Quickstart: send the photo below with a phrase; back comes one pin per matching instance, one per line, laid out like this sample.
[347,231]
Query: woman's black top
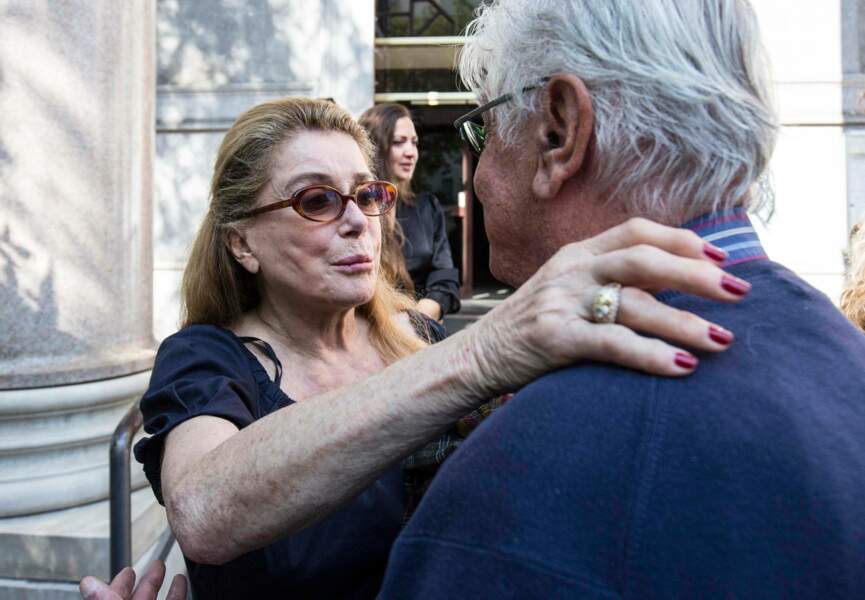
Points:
[208,370]
[428,253]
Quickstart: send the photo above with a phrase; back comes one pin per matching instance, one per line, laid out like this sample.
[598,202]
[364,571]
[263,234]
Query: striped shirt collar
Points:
[730,230]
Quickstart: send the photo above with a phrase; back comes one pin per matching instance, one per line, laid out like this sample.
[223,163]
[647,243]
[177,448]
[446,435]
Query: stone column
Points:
[77,95]
[853,64]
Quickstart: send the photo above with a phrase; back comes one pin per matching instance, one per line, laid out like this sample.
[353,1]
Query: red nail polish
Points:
[686,361]
[714,253]
[720,336]
[734,285]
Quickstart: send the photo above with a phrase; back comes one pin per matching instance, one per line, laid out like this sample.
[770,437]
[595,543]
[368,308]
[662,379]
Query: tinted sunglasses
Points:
[470,127]
[323,203]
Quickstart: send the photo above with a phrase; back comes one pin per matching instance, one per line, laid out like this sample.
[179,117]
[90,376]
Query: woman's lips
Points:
[358,263]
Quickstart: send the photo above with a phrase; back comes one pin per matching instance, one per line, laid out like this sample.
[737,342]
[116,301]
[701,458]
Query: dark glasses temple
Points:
[481,110]
[493,103]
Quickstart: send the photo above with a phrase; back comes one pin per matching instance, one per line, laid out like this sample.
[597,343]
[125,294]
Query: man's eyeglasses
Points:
[324,204]
[470,127]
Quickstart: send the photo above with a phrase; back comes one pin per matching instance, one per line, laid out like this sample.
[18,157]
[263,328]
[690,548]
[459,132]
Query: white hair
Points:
[684,123]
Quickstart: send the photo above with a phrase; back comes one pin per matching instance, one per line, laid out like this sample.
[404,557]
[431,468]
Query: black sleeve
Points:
[442,283]
[198,371]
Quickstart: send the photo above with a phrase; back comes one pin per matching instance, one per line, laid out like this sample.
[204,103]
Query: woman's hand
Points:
[547,323]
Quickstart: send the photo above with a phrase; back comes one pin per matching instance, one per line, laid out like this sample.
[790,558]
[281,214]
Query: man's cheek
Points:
[481,179]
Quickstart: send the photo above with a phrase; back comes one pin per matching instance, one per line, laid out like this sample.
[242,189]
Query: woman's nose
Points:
[354,222]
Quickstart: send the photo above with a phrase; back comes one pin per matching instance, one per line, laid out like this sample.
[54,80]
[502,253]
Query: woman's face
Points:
[402,157]
[329,265]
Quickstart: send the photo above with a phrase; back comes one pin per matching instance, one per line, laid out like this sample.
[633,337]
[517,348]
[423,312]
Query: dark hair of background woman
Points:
[380,123]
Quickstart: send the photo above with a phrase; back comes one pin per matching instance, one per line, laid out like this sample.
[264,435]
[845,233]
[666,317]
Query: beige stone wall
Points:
[218,58]
[76,151]
[816,49]
[77,98]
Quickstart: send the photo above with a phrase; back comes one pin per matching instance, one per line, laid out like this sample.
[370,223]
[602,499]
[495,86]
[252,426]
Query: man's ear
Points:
[563,133]
[240,250]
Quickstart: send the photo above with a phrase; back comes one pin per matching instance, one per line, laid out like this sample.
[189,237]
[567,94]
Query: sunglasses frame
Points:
[294,201]
[468,130]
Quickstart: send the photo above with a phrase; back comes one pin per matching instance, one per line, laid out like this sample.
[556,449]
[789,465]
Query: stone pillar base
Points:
[46,555]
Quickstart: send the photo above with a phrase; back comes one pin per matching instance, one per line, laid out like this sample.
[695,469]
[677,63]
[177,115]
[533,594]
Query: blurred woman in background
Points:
[418,233]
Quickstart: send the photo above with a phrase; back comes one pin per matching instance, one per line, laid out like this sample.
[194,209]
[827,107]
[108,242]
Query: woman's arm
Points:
[229,491]
[430,308]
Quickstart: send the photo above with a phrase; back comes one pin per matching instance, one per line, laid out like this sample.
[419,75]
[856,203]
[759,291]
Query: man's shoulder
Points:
[775,290]
[589,378]
[784,323]
[586,396]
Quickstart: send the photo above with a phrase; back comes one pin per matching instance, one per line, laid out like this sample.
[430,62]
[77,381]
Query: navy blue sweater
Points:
[744,480]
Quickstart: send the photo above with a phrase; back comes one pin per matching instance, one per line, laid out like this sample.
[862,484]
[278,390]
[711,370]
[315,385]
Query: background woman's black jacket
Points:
[428,253]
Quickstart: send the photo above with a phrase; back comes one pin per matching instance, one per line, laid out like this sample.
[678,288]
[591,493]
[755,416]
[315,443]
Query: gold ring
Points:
[605,306]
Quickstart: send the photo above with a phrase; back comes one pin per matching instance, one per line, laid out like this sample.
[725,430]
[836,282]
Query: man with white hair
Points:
[746,479]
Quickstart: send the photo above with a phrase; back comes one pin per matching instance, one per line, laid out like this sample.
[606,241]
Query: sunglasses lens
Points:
[323,203]
[320,204]
[376,197]
[474,136]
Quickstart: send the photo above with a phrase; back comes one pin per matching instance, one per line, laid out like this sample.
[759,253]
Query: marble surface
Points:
[77,95]
[76,148]
[25,589]
[54,443]
[213,64]
[211,46]
[66,545]
[22,589]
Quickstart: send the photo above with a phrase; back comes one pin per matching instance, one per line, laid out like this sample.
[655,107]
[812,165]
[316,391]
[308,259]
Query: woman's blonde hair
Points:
[853,296]
[216,289]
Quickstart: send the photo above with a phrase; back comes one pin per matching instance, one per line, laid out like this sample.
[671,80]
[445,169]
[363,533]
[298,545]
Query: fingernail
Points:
[720,336]
[734,285]
[686,361]
[714,253]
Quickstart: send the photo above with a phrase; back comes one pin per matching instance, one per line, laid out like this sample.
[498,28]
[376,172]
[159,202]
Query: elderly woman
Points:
[420,237]
[279,413]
